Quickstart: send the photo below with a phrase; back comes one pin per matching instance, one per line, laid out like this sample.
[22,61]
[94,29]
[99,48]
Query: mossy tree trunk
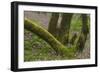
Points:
[85,28]
[74,35]
[65,27]
[84,32]
[73,38]
[53,24]
[49,38]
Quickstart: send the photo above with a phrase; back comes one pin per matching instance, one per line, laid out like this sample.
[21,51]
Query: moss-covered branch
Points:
[44,34]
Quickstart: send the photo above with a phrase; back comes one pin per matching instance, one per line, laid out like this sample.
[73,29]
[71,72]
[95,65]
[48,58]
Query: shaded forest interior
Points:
[56,36]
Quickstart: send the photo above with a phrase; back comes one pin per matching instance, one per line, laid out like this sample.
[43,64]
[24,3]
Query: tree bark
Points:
[73,38]
[84,32]
[49,38]
[53,23]
[65,27]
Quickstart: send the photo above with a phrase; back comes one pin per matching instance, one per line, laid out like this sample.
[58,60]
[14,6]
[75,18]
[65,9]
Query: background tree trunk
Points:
[84,32]
[65,27]
[53,23]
